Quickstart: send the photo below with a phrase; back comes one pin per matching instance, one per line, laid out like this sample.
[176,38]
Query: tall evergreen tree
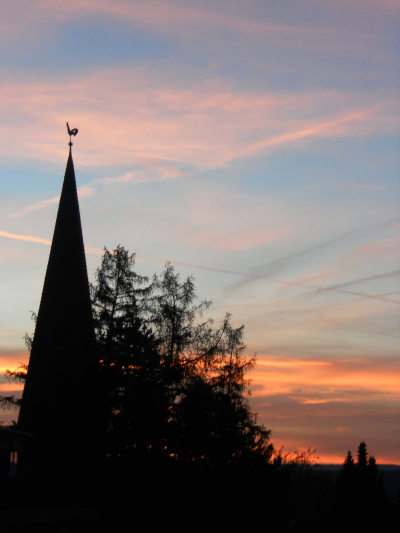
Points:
[362,456]
[129,361]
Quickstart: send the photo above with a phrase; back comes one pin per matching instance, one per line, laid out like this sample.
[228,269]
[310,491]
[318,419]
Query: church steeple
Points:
[59,402]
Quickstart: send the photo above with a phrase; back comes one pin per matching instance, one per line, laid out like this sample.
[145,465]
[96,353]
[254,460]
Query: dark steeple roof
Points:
[60,402]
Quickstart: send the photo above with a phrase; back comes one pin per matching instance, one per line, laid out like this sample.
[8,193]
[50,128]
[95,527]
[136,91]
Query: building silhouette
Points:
[60,403]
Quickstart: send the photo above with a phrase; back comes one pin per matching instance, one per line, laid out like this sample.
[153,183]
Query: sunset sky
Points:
[254,144]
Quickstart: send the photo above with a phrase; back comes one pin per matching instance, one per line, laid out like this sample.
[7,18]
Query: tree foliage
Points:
[126,350]
[176,383]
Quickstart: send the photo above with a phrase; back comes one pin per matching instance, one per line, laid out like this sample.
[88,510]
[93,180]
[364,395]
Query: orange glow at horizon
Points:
[277,376]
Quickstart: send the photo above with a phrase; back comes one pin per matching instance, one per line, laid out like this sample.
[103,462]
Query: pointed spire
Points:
[59,400]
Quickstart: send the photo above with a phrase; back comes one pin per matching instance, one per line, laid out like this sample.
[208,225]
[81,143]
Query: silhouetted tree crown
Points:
[348,465]
[362,456]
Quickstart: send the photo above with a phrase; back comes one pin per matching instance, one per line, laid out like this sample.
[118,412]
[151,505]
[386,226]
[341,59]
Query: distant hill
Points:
[335,467]
[390,476]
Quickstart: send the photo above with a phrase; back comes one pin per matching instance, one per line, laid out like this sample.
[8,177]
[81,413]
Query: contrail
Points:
[97,251]
[283,282]
[357,281]
[274,266]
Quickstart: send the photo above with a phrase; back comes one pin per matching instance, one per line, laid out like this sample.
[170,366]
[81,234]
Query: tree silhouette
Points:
[360,501]
[176,385]
[128,360]
[348,465]
[362,457]
[17,376]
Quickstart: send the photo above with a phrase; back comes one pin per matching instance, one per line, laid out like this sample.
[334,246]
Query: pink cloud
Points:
[322,128]
[28,238]
[382,250]
[122,118]
[39,240]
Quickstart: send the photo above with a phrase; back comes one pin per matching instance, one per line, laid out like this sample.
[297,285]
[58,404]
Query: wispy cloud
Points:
[34,207]
[151,173]
[196,22]
[211,124]
[28,238]
[323,273]
[39,240]
[313,130]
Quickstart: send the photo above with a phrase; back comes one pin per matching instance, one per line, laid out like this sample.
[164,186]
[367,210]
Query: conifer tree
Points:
[362,456]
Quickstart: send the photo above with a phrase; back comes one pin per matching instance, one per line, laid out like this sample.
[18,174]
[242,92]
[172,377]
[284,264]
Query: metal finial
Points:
[70,133]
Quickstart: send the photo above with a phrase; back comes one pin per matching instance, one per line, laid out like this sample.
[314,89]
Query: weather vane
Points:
[70,133]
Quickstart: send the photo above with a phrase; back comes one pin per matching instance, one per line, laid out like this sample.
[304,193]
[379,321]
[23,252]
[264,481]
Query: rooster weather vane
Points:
[70,133]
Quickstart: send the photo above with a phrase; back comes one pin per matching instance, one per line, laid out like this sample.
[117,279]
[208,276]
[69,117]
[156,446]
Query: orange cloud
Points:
[10,387]
[9,360]
[330,404]
[277,376]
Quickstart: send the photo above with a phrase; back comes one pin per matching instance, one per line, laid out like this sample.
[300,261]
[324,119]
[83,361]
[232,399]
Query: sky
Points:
[252,144]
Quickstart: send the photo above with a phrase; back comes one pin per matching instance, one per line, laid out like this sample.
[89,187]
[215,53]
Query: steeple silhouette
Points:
[60,401]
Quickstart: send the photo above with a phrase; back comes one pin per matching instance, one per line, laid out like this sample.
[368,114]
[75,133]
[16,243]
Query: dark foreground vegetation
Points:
[182,450]
[132,495]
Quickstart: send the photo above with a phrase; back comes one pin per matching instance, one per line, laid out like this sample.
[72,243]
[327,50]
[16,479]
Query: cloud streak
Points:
[361,280]
[39,240]
[34,207]
[277,375]
[90,249]
[272,268]
[27,238]
[296,135]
